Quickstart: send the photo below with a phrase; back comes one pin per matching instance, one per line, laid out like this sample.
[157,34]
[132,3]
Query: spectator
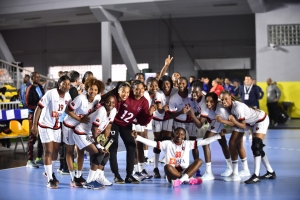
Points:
[24,86]
[261,92]
[273,95]
[192,78]
[34,93]
[16,97]
[236,85]
[228,86]
[108,86]
[2,91]
[249,93]
[216,87]
[87,74]
[205,86]
[60,73]
[75,83]
[175,77]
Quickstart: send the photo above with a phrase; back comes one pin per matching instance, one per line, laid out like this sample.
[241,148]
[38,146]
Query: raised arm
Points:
[165,67]
[145,141]
[210,139]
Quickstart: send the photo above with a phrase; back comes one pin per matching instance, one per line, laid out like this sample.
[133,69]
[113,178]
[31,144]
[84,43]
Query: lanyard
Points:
[247,91]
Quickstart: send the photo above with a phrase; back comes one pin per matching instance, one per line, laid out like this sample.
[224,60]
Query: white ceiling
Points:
[38,13]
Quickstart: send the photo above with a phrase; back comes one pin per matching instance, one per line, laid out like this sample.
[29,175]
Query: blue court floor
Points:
[282,148]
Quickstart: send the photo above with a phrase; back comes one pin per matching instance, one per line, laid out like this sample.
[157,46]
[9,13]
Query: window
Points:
[119,71]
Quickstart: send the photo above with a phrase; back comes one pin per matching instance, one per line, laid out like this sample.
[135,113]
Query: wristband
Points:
[99,146]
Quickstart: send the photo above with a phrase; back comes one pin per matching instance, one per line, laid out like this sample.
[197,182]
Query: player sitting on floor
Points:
[177,153]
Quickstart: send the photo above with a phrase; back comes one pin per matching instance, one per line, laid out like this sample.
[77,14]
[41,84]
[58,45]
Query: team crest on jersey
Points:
[125,105]
[212,127]
[139,108]
[97,120]
[183,148]
[41,99]
[66,102]
[73,104]
[257,128]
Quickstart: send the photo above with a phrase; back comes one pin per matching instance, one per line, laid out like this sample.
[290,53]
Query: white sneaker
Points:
[227,172]
[163,160]
[103,181]
[208,176]
[233,177]
[244,172]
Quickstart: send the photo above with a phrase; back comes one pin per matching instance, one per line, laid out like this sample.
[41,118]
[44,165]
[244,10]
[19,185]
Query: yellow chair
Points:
[15,126]
[25,125]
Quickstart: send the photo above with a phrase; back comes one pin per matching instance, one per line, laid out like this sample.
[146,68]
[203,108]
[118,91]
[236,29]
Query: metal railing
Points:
[10,74]
[10,105]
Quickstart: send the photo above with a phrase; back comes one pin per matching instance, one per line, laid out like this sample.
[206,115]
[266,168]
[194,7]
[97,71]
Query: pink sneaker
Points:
[195,181]
[176,183]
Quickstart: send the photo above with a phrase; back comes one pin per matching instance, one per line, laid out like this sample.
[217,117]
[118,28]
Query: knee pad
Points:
[166,138]
[257,147]
[156,150]
[97,158]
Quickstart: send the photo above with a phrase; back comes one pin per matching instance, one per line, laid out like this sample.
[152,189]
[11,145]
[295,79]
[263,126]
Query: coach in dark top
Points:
[249,93]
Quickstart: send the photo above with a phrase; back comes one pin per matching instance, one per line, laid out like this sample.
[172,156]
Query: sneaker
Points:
[253,179]
[244,172]
[132,180]
[208,176]
[119,180]
[156,173]
[198,173]
[227,172]
[146,159]
[145,174]
[31,164]
[232,177]
[93,185]
[76,183]
[195,181]
[102,180]
[81,180]
[176,183]
[58,170]
[163,160]
[51,184]
[138,176]
[64,171]
[39,161]
[268,175]
[54,178]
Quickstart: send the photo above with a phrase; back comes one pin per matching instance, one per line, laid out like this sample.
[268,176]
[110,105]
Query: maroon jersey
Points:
[132,109]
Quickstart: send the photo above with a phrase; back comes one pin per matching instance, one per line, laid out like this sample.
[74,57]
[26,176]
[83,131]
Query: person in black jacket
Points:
[34,93]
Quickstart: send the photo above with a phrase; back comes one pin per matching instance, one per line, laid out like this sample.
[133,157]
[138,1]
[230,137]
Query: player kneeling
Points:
[177,153]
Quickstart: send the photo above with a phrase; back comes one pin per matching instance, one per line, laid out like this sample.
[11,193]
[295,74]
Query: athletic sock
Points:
[229,163]
[266,163]
[135,168]
[156,159]
[184,177]
[235,167]
[245,164]
[146,153]
[257,161]
[72,174]
[90,176]
[79,173]
[208,168]
[141,166]
[48,170]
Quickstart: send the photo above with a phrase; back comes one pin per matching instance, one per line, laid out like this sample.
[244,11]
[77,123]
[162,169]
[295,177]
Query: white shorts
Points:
[237,129]
[138,127]
[159,126]
[67,134]
[191,128]
[215,127]
[49,135]
[82,141]
[261,127]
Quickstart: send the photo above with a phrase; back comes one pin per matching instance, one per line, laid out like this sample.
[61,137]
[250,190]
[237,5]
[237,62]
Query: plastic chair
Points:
[25,125]
[15,126]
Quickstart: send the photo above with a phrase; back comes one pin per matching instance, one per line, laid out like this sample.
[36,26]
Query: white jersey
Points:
[177,155]
[98,118]
[81,106]
[53,106]
[160,97]
[220,110]
[177,103]
[243,112]
[201,107]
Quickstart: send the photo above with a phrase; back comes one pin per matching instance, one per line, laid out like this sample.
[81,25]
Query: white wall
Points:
[278,65]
